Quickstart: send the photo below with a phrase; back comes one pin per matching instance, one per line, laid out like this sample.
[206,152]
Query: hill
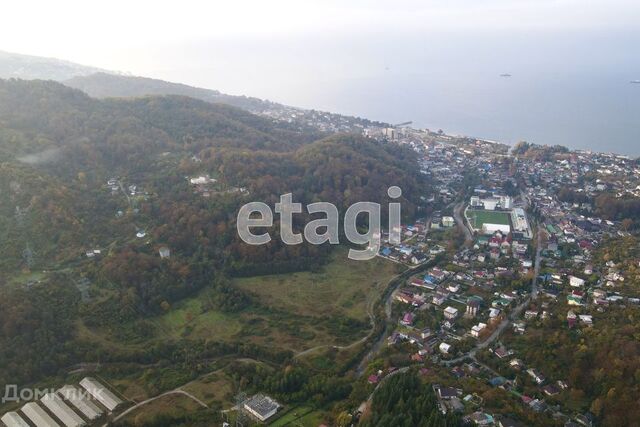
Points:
[110,84]
[13,65]
[91,189]
[106,85]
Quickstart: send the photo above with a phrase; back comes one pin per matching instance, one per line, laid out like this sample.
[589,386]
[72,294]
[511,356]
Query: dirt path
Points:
[177,391]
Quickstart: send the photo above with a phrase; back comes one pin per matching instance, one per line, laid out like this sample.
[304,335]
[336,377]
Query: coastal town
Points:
[515,260]
[320,214]
[507,251]
[514,253]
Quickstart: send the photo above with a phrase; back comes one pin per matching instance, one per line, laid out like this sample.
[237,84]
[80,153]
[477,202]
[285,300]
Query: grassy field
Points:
[478,218]
[301,416]
[212,389]
[188,318]
[167,405]
[294,311]
[343,288]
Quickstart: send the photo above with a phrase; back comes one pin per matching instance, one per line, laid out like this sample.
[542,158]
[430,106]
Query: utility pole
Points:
[242,419]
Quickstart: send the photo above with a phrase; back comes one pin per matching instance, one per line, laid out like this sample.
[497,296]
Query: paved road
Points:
[393,285]
[515,313]
[399,371]
[536,269]
[390,290]
[459,217]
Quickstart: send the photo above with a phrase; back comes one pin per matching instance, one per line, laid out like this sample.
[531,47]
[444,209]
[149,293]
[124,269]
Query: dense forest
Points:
[607,206]
[601,363]
[58,149]
[403,400]
[108,85]
[538,152]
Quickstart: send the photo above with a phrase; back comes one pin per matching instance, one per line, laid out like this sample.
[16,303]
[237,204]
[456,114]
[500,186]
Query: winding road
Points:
[388,302]
[512,316]
[177,391]
[459,217]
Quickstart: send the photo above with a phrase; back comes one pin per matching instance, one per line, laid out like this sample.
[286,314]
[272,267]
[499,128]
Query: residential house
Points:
[450,313]
[537,376]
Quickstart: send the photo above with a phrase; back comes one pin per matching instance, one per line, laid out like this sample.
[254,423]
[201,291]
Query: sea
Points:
[571,87]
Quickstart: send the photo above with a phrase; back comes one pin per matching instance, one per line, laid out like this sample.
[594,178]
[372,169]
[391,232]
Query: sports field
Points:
[477,218]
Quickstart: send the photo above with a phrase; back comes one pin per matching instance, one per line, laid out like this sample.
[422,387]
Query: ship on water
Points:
[635,81]
[505,75]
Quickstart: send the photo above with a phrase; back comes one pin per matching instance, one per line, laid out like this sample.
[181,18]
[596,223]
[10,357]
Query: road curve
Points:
[168,393]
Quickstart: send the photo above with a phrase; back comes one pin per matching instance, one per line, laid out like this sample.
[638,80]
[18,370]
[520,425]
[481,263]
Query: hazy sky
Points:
[434,62]
[149,37]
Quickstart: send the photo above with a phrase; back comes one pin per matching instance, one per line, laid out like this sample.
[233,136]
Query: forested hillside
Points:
[61,221]
[105,85]
[14,65]
[403,400]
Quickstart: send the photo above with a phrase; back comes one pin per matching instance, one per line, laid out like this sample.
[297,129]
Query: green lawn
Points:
[188,318]
[343,288]
[214,388]
[294,311]
[172,405]
[478,218]
[300,416]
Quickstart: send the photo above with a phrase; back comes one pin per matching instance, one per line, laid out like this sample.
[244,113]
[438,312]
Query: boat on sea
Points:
[505,75]
[635,81]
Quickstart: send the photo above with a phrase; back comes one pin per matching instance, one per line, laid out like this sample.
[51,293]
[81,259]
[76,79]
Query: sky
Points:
[431,61]
[143,37]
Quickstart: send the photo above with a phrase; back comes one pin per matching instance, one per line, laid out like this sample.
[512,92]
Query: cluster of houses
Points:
[321,120]
[472,295]
[202,185]
[614,174]
[453,297]
[412,250]
[570,273]
[115,185]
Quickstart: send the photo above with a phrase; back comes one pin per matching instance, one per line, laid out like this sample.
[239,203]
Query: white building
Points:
[576,282]
[490,204]
[450,313]
[262,407]
[438,299]
[38,416]
[475,331]
[390,133]
[488,228]
[164,252]
[520,222]
[62,411]
[444,348]
[448,221]
[100,393]
[81,401]
[12,419]
[506,202]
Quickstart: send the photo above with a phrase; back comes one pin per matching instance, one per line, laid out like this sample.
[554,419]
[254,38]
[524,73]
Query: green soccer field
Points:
[478,218]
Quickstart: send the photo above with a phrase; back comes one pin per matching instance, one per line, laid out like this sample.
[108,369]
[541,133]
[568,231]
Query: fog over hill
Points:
[109,85]
[14,65]
[99,83]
